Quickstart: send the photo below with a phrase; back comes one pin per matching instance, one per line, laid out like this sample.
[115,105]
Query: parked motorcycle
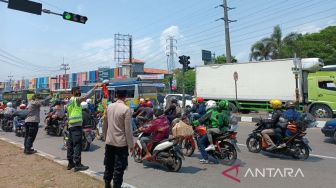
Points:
[20,129]
[296,146]
[167,152]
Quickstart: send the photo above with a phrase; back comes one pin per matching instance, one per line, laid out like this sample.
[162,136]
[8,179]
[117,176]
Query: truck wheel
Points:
[321,111]
[233,108]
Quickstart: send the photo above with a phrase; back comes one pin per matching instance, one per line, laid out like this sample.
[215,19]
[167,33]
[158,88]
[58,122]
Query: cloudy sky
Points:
[32,45]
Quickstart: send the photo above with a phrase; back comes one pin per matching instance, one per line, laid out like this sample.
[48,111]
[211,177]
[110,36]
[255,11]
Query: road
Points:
[318,170]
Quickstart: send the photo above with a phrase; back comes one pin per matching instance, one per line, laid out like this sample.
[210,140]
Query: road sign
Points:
[25,6]
[235,76]
[206,55]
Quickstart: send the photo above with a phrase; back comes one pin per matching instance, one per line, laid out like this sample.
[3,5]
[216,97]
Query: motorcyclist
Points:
[291,116]
[9,110]
[273,128]
[20,114]
[173,111]
[220,119]
[139,110]
[87,116]
[209,120]
[91,106]
[198,109]
[56,113]
[159,130]
[147,113]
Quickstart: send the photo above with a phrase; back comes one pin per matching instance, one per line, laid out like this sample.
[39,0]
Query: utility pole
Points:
[130,57]
[64,67]
[227,29]
[10,81]
[171,53]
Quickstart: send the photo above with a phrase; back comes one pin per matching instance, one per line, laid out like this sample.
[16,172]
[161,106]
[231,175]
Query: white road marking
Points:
[314,155]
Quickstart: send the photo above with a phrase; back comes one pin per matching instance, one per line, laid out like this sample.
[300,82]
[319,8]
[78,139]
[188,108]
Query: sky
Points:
[33,45]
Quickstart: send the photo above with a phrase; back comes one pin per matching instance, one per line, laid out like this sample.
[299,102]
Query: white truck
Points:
[259,82]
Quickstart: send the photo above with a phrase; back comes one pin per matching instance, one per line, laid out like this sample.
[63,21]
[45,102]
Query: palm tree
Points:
[271,48]
[262,50]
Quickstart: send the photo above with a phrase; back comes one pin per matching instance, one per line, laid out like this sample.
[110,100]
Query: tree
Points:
[189,81]
[262,50]
[222,59]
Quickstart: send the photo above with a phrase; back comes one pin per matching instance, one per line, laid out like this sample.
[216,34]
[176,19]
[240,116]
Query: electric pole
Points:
[10,82]
[171,53]
[64,67]
[130,57]
[227,29]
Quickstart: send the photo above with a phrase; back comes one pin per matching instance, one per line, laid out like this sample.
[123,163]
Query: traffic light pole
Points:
[183,91]
[49,12]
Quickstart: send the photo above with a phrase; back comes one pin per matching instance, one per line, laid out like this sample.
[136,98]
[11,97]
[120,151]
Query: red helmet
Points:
[22,106]
[149,104]
[200,99]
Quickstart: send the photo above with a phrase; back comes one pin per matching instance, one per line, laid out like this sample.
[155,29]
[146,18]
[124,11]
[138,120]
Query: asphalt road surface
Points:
[317,171]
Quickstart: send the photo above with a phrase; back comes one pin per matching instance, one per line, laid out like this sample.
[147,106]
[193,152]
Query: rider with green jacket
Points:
[216,120]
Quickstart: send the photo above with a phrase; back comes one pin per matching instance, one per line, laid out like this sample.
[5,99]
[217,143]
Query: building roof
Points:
[136,61]
[155,71]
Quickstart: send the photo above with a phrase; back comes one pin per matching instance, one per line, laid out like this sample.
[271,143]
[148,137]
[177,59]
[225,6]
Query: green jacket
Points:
[215,119]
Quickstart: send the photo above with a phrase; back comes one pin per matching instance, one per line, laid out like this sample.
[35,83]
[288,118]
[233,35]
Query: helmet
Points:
[89,101]
[210,104]
[142,100]
[10,104]
[276,103]
[149,104]
[158,112]
[194,100]
[174,100]
[200,99]
[22,106]
[223,105]
[84,105]
[290,104]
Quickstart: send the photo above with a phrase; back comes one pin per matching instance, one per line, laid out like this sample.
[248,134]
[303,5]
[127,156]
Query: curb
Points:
[90,173]
[255,120]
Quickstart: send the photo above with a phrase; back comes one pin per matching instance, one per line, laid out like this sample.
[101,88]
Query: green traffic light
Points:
[67,16]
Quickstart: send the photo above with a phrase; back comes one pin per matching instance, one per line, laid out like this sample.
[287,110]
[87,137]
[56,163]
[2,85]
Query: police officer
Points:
[74,112]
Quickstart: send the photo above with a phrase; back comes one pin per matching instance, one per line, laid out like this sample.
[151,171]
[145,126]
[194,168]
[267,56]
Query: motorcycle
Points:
[225,145]
[54,129]
[295,146]
[88,136]
[7,123]
[20,129]
[166,152]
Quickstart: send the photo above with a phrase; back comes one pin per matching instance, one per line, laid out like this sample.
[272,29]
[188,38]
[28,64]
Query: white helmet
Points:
[84,105]
[10,104]
[210,104]
[89,101]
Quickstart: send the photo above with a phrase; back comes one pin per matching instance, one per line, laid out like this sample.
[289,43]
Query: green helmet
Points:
[223,105]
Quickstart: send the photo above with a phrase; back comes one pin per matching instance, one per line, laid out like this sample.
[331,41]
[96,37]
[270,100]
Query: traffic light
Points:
[74,17]
[187,60]
[181,59]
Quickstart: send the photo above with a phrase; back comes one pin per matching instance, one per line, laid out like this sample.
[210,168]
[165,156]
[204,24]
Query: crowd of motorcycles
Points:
[170,152]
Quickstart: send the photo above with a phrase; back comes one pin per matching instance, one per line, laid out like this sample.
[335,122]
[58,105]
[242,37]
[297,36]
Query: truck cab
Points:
[322,93]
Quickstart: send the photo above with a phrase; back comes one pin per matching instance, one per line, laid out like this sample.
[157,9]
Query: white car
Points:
[179,98]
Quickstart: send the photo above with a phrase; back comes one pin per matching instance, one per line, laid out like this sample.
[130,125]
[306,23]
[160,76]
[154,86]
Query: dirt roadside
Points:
[18,170]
